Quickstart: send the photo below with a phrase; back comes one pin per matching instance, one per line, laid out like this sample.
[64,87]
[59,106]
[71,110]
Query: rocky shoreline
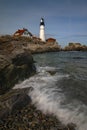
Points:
[33,45]
[16,64]
[18,113]
[75,47]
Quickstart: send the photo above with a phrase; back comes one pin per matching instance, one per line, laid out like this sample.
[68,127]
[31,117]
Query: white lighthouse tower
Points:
[42,27]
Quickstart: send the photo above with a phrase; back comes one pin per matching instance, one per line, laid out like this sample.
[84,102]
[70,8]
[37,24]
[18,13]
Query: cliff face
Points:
[16,63]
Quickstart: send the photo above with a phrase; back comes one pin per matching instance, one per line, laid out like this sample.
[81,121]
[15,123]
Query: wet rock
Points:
[4,112]
[53,128]
[21,101]
[71,126]
[29,118]
[52,72]
[13,101]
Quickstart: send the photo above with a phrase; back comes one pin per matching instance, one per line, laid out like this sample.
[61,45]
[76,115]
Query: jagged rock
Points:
[4,62]
[18,70]
[16,63]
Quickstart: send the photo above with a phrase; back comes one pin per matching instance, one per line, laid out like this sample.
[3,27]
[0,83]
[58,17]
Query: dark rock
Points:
[16,62]
[52,72]
[53,128]
[21,59]
[71,126]
[4,113]
[14,100]
[21,101]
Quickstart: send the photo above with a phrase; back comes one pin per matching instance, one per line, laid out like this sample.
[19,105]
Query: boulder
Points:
[16,63]
[14,70]
[14,100]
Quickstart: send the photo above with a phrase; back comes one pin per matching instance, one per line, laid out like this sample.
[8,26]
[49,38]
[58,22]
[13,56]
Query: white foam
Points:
[42,78]
[45,101]
[48,97]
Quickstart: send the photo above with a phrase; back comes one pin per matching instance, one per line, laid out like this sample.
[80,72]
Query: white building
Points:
[23,32]
[42,30]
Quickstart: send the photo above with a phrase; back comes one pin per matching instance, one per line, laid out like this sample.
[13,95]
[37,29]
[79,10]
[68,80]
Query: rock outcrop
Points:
[14,100]
[44,47]
[75,47]
[16,63]
[18,112]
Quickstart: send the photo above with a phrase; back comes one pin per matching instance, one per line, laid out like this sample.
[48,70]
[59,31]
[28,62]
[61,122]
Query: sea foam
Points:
[49,98]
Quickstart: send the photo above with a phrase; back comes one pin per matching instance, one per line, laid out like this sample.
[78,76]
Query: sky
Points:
[65,20]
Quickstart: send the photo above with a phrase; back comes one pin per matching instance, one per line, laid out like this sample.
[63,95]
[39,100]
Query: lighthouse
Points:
[42,28]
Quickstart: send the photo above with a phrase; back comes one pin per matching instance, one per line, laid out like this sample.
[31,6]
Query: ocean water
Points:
[60,86]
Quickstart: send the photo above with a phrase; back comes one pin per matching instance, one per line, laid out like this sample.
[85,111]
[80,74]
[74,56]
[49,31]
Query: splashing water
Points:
[49,97]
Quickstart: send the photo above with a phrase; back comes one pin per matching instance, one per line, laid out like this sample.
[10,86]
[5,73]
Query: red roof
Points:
[19,32]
